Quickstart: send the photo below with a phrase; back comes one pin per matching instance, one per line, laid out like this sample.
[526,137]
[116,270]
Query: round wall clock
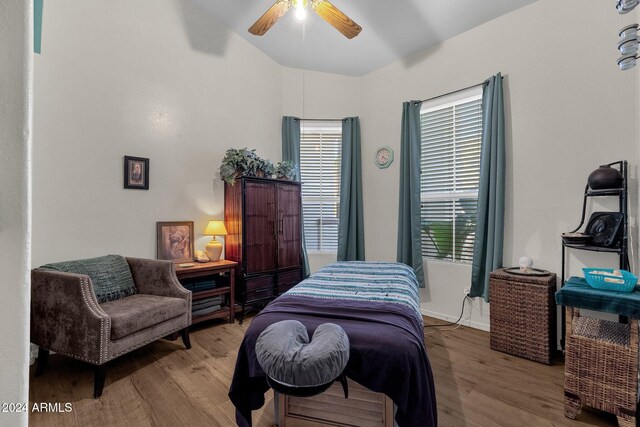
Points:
[384,157]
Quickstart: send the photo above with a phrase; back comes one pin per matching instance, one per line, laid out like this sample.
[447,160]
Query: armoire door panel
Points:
[289,227]
[260,242]
[233,222]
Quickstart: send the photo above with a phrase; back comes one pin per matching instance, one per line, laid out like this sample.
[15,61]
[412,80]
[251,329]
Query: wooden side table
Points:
[523,315]
[211,270]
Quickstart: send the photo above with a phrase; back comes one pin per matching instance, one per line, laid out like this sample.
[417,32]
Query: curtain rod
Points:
[320,120]
[455,91]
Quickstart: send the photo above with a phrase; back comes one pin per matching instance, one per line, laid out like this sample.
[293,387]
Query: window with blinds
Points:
[451,132]
[320,157]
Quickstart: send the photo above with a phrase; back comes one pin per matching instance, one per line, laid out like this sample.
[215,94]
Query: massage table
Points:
[377,305]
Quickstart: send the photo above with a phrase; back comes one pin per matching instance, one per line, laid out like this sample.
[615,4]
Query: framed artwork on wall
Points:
[175,241]
[136,173]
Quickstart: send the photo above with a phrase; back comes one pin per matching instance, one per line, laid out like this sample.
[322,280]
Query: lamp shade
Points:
[215,228]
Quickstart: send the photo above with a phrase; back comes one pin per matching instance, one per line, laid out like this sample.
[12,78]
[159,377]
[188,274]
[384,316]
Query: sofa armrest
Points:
[157,277]
[66,316]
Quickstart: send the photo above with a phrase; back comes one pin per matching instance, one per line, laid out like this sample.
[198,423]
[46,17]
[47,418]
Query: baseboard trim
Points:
[446,317]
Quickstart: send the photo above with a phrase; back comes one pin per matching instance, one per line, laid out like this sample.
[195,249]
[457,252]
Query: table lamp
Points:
[214,247]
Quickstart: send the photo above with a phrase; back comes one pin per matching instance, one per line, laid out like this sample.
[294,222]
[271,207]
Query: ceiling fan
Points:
[326,10]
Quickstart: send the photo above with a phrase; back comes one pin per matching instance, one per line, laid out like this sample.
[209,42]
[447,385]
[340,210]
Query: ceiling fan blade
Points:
[270,17]
[336,18]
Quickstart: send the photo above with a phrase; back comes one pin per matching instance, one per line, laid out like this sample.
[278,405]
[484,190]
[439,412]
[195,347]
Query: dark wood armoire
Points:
[263,219]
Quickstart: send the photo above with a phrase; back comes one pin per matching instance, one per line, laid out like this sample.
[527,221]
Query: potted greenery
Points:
[253,167]
[286,170]
[238,162]
[266,168]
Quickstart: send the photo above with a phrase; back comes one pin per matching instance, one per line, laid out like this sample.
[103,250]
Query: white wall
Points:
[16,45]
[163,80]
[568,110]
[153,79]
[315,95]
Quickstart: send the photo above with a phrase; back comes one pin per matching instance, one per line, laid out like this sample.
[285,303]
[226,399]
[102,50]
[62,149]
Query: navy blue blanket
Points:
[387,354]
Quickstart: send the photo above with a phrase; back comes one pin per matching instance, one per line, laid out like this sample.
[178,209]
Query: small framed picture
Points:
[136,173]
[175,241]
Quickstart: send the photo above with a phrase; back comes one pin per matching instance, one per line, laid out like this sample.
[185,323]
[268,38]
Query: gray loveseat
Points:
[98,309]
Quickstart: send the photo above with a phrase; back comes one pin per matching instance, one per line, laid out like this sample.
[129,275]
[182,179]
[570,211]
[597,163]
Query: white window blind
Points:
[320,157]
[451,132]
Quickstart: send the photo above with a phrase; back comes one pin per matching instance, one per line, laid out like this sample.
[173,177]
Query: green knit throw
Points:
[110,275]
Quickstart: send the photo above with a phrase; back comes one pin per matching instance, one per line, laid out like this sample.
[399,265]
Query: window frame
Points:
[454,196]
[308,126]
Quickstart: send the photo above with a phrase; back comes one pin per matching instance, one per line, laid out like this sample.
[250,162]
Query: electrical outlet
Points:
[466,291]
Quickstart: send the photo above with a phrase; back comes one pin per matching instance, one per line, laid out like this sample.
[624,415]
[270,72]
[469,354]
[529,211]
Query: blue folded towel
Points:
[576,292]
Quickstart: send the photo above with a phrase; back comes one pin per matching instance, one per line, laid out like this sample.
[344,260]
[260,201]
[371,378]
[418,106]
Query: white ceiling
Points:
[391,30]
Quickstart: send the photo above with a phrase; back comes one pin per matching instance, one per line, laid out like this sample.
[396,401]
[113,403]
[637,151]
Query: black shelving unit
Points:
[623,249]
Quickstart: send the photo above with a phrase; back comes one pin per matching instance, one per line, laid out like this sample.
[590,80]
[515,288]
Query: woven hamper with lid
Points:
[601,366]
[523,315]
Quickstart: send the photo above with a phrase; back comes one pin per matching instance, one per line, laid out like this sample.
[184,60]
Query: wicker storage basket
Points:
[523,314]
[601,366]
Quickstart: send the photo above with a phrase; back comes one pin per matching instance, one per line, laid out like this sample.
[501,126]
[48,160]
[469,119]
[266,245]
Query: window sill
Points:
[334,253]
[444,262]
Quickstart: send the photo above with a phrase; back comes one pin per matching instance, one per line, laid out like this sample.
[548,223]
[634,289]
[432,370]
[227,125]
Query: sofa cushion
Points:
[110,275]
[137,312]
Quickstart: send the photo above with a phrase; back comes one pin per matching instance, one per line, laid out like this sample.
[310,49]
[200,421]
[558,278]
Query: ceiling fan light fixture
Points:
[301,9]
[323,8]
[301,13]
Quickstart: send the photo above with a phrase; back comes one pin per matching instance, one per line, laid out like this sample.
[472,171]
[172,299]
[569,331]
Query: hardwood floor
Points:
[164,385]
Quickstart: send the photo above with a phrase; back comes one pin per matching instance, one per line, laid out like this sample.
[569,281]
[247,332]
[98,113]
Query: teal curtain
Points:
[351,223]
[291,152]
[409,238]
[37,26]
[487,251]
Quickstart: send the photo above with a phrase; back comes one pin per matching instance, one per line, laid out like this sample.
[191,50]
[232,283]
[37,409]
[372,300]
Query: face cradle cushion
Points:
[290,359]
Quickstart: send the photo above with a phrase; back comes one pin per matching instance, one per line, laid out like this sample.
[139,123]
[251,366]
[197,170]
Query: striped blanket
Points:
[363,281]
[377,306]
